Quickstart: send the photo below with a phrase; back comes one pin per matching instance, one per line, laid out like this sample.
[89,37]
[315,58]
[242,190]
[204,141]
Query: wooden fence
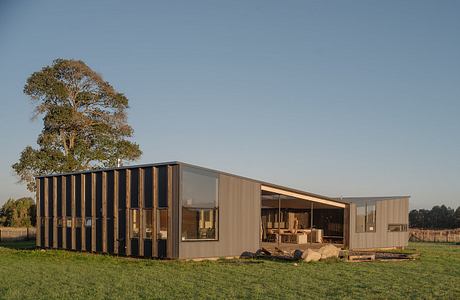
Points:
[441,236]
[16,233]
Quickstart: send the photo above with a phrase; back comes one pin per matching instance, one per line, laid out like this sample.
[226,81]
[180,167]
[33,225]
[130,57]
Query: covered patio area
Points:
[291,220]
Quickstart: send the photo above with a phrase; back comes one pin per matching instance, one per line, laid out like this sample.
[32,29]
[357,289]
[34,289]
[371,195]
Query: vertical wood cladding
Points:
[99,191]
[134,195]
[91,211]
[83,211]
[239,221]
[109,211]
[121,212]
[148,187]
[60,212]
[50,212]
[163,186]
[39,231]
[88,210]
[393,211]
[78,225]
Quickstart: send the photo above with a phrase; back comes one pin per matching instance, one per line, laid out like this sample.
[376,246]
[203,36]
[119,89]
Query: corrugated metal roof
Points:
[359,200]
[346,200]
[199,167]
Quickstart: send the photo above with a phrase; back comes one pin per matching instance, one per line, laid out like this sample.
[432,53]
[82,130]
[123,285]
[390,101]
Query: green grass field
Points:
[33,274]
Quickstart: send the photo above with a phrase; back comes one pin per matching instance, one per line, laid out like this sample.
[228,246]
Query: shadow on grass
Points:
[18,245]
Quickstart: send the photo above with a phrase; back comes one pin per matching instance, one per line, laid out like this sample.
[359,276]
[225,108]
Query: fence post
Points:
[0,234]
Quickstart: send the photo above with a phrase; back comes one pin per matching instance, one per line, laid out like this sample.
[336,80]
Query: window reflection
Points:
[199,204]
[134,228]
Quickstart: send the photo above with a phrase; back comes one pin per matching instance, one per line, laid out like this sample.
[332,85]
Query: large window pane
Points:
[366,216]
[370,221]
[361,218]
[199,201]
[199,188]
[397,227]
[162,224]
[134,228]
[199,223]
[148,223]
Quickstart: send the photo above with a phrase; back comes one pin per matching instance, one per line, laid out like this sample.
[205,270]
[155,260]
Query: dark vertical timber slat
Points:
[169,242]
[110,211]
[128,213]
[141,211]
[122,212]
[64,212]
[93,210]
[175,208]
[155,229]
[38,204]
[104,212]
[115,212]
[45,202]
[55,214]
[83,211]
[74,213]
[59,211]
[50,212]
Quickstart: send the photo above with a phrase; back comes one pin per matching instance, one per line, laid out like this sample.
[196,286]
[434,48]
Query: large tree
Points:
[84,118]
[18,213]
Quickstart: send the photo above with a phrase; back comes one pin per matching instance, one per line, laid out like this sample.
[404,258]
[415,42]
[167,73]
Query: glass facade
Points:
[397,227]
[162,220]
[135,224]
[199,200]
[148,228]
[366,216]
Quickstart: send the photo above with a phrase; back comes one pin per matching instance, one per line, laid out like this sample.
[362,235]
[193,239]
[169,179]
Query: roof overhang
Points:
[301,196]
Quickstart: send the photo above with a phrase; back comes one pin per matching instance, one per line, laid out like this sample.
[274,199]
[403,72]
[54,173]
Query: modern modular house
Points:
[177,210]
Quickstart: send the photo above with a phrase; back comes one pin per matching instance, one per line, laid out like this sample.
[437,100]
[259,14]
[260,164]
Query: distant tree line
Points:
[439,217]
[18,213]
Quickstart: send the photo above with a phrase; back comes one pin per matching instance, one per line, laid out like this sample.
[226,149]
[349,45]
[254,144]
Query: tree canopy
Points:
[439,217]
[18,213]
[84,122]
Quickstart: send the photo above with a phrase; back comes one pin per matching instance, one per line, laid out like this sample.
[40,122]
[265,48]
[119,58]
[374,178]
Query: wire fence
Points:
[17,233]
[436,236]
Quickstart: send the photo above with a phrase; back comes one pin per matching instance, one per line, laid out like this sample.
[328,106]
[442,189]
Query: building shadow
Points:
[18,245]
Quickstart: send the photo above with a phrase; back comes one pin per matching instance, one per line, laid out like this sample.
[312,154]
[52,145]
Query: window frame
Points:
[158,223]
[374,213]
[78,223]
[216,208]
[403,227]
[131,236]
[90,219]
[366,204]
[144,223]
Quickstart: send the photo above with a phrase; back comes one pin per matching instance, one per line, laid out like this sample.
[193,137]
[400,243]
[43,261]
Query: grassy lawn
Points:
[35,274]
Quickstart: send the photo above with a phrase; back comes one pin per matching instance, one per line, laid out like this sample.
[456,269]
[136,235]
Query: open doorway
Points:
[294,221]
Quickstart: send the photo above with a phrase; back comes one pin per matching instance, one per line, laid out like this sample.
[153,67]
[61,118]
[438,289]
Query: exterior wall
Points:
[387,212]
[239,221]
[106,198]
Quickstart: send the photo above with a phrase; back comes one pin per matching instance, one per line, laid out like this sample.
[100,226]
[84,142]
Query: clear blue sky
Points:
[338,98]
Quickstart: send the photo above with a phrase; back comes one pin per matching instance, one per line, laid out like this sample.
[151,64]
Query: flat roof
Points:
[198,167]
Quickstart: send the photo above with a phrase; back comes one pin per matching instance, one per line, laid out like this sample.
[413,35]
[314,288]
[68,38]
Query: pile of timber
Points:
[327,252]
[309,255]
[361,257]
[437,236]
[367,256]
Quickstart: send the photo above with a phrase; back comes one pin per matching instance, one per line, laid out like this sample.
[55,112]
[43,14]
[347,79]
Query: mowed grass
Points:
[36,274]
